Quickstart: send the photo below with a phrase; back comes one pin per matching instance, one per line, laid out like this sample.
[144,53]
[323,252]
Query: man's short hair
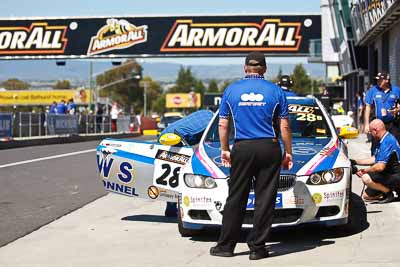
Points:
[255,59]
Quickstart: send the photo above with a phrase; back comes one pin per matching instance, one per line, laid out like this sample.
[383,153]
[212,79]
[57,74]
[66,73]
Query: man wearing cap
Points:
[259,113]
[285,82]
[383,97]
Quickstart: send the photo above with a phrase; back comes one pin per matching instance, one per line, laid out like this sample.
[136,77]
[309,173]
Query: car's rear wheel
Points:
[184,231]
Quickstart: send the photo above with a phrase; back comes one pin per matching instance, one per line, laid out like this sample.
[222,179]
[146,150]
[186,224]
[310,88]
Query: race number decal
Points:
[169,176]
[167,166]
[308,117]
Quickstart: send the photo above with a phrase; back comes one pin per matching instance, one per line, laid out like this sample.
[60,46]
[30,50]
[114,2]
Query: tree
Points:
[301,81]
[121,84]
[158,104]
[15,84]
[199,87]
[185,81]
[212,86]
[153,92]
[64,84]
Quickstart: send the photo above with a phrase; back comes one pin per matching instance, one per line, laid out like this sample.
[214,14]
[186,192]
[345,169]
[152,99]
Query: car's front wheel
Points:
[184,231]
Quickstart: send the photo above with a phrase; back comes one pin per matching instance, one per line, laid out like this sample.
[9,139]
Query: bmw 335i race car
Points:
[316,190]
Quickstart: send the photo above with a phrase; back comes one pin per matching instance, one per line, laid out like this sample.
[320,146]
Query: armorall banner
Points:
[157,36]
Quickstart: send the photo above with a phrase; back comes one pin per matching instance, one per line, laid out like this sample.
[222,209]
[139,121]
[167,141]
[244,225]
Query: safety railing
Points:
[28,124]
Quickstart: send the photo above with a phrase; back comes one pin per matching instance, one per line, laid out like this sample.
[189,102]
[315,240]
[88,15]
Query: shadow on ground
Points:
[289,239]
[150,218]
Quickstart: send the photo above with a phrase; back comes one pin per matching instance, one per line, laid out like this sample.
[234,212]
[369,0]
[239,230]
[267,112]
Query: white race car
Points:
[316,190]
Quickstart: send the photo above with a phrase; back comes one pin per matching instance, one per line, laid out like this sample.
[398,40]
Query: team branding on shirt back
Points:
[117,34]
[269,35]
[39,38]
[252,99]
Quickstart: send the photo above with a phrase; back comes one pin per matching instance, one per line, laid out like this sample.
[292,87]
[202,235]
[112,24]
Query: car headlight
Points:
[326,177]
[199,181]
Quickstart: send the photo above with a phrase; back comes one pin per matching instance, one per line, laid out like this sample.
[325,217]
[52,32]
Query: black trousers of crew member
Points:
[393,128]
[260,158]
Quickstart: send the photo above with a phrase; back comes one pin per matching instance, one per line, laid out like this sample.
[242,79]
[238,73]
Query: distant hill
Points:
[78,71]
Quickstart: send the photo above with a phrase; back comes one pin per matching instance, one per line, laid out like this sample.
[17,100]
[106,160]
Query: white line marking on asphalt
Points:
[46,158]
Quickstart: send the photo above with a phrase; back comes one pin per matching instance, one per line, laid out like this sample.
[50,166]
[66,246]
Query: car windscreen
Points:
[306,121]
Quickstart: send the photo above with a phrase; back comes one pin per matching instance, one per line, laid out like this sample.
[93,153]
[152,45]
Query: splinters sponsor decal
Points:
[39,38]
[269,35]
[117,34]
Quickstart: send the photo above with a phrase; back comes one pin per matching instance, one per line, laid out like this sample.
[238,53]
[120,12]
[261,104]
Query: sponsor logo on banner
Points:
[189,100]
[39,38]
[117,34]
[41,97]
[269,35]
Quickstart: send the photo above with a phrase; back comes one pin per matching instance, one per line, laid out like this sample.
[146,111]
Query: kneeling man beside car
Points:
[383,175]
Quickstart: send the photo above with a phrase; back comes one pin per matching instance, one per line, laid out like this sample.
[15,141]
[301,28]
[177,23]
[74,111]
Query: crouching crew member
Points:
[259,111]
[383,176]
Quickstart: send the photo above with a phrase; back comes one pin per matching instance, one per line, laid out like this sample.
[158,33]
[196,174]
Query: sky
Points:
[93,8]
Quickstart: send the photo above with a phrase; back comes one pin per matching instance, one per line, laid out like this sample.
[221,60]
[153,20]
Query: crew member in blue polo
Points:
[286,83]
[383,97]
[383,176]
[260,114]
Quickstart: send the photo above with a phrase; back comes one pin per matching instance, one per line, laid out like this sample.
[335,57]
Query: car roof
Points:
[309,101]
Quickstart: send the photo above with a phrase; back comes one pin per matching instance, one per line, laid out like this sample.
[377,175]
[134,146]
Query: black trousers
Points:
[261,159]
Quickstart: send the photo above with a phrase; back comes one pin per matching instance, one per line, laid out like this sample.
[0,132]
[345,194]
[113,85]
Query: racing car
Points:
[316,190]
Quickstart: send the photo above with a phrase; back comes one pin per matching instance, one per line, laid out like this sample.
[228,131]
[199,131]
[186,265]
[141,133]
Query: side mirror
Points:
[348,132]
[169,139]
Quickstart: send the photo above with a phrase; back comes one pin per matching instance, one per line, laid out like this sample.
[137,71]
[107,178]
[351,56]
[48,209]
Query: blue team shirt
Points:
[254,104]
[388,151]
[53,108]
[71,105]
[381,100]
[61,108]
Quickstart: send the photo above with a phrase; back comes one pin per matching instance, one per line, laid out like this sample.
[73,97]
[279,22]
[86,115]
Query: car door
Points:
[141,169]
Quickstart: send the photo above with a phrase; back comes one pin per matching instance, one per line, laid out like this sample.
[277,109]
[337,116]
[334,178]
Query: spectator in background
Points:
[71,107]
[61,107]
[99,117]
[53,108]
[360,110]
[286,84]
[115,111]
[326,100]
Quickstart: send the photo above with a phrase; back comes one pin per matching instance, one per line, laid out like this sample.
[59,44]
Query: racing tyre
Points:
[184,231]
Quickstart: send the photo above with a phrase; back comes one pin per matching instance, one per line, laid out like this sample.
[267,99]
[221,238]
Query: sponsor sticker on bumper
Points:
[251,201]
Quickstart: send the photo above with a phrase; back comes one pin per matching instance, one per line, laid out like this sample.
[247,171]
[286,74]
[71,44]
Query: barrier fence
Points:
[27,124]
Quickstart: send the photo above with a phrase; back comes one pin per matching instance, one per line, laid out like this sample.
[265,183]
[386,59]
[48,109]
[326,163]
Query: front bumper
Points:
[300,204]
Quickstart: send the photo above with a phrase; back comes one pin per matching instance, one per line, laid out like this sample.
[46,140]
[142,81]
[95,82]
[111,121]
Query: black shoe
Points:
[389,198]
[219,252]
[259,254]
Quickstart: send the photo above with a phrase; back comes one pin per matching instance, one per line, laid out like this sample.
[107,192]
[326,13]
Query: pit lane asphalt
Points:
[119,231]
[33,194]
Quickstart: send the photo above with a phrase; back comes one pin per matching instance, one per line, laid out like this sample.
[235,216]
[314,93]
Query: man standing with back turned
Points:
[259,111]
